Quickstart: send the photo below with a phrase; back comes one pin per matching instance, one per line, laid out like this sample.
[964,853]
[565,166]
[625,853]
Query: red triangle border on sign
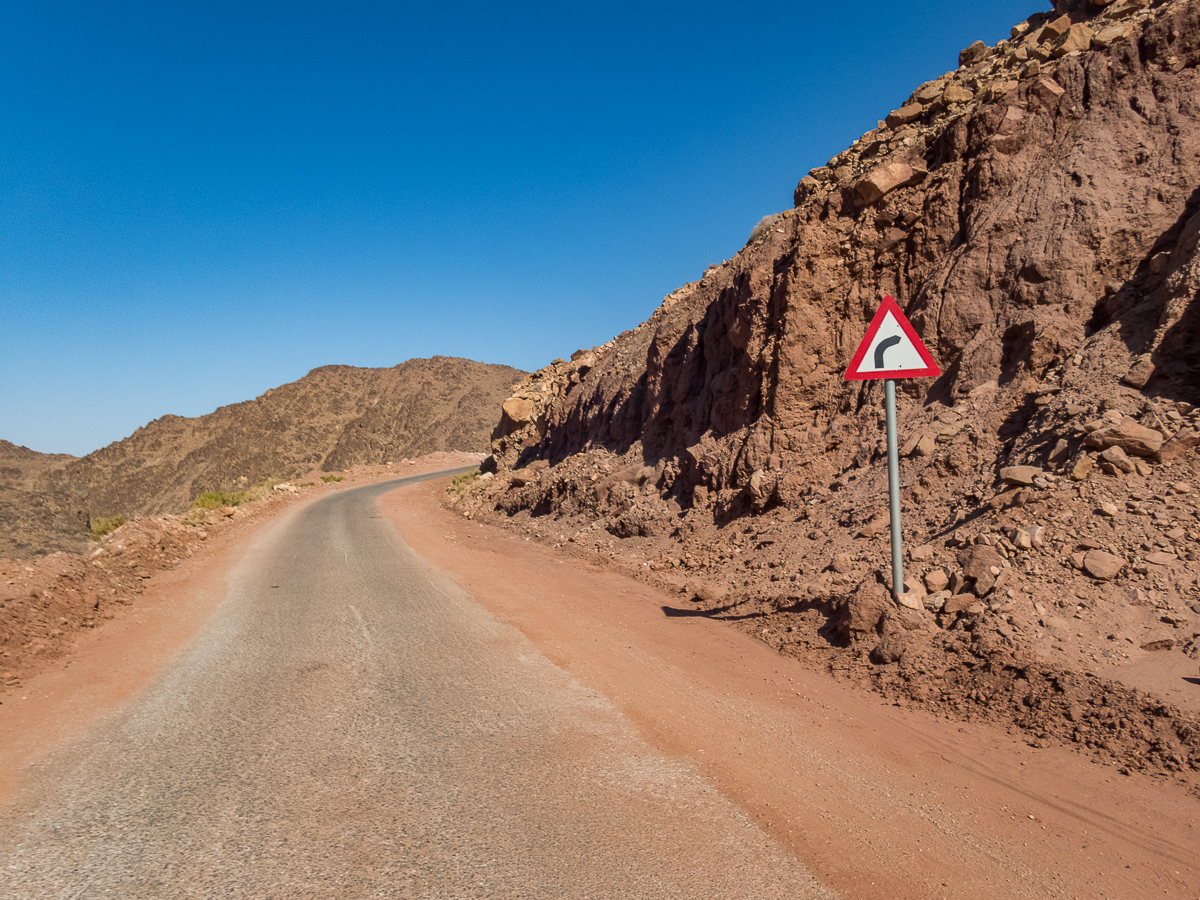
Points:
[889,305]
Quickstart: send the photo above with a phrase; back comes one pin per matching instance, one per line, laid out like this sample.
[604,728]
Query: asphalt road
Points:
[351,724]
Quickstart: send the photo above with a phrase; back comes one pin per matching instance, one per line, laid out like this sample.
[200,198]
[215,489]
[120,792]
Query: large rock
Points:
[1183,442]
[863,610]
[886,178]
[1019,259]
[1109,35]
[1052,31]
[904,115]
[1134,439]
[978,561]
[1021,475]
[956,93]
[936,580]
[1118,459]
[1102,565]
[1140,371]
[969,56]
[1077,37]
[1083,467]
[521,411]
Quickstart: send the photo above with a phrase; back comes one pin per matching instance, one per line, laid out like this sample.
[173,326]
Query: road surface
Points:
[351,724]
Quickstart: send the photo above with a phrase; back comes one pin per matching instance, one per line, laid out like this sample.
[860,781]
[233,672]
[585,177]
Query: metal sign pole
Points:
[889,350]
[893,450]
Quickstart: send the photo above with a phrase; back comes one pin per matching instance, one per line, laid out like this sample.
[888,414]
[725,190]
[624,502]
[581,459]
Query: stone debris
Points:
[1130,436]
[1102,565]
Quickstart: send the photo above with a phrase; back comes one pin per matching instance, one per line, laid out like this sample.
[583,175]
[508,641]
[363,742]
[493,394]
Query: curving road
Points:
[351,724]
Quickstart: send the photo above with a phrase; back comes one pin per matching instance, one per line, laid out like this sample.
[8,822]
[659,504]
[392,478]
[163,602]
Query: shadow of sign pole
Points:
[891,349]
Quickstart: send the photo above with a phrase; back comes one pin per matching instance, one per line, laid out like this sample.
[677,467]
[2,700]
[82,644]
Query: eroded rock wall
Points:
[1035,214]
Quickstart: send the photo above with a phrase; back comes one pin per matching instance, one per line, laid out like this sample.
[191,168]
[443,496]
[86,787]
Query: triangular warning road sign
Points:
[891,349]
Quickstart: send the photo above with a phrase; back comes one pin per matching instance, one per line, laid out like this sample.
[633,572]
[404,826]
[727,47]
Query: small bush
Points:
[461,484]
[328,478]
[309,484]
[217,499]
[103,525]
[763,224]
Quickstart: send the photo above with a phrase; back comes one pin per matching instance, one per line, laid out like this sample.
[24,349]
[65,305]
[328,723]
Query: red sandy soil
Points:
[881,801]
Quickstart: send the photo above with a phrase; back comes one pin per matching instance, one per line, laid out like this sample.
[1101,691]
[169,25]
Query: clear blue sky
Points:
[200,201]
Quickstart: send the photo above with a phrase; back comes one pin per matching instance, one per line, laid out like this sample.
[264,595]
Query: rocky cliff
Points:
[1036,213]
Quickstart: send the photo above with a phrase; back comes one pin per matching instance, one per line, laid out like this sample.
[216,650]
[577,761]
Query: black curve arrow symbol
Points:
[883,346]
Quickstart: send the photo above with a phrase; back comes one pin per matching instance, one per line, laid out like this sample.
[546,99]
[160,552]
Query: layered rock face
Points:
[1036,214]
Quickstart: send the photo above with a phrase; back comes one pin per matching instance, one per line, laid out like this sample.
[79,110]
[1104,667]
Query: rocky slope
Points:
[1036,213]
[333,418]
[56,521]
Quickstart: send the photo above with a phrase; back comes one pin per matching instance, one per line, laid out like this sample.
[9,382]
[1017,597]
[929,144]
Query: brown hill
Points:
[331,419]
[20,466]
[36,519]
[1036,213]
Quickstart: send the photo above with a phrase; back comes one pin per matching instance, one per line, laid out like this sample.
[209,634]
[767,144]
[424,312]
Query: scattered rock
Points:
[973,54]
[1184,441]
[959,603]
[843,563]
[1020,474]
[1140,372]
[904,115]
[1101,565]
[1159,645]
[937,580]
[884,179]
[1117,460]
[878,525]
[956,93]
[1028,537]
[1076,39]
[1131,437]
[863,610]
[1109,35]
[978,562]
[1083,467]
[705,592]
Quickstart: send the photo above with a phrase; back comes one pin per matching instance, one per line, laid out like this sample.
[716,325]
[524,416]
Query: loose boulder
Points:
[1133,438]
[1101,565]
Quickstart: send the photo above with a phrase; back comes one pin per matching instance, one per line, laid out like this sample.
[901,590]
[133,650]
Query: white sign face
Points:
[891,349]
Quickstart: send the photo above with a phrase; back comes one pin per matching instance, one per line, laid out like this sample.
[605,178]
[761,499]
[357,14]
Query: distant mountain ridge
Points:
[332,418]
